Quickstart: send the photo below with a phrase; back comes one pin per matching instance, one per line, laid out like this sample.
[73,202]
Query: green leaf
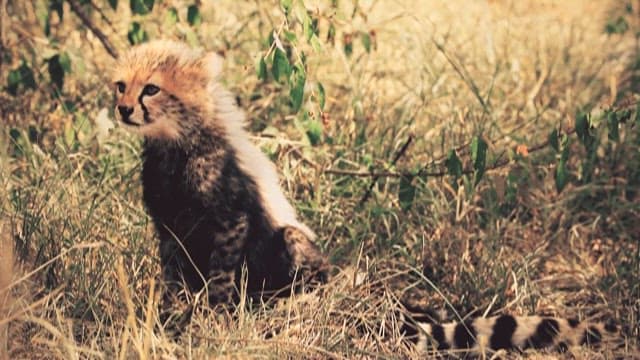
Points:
[297,88]
[136,34]
[331,34]
[553,140]
[406,192]
[290,36]
[307,28]
[286,6]
[348,48]
[191,37]
[583,129]
[314,132]
[616,26]
[361,138]
[612,125]
[113,4]
[562,174]
[315,43]
[281,65]
[65,62]
[172,16]
[453,164]
[42,14]
[58,66]
[20,77]
[300,12]
[366,41]
[478,157]
[261,69]
[141,7]
[193,15]
[582,125]
[321,96]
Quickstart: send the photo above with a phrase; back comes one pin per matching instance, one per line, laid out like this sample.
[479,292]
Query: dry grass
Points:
[441,72]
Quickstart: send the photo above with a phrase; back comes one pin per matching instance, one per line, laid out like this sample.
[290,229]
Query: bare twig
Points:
[75,7]
[399,154]
[102,15]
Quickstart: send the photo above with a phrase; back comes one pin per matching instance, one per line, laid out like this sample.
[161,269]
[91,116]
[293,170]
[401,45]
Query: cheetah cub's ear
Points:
[213,64]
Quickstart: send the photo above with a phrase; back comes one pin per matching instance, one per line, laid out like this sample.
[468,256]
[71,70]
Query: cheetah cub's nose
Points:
[125,111]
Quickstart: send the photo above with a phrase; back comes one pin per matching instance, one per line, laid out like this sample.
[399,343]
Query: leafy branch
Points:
[589,130]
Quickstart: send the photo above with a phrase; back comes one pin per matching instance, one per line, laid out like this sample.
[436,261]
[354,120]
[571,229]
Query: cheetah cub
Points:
[213,195]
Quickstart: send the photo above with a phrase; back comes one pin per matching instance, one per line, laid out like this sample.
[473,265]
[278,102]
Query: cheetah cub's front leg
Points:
[225,261]
[308,265]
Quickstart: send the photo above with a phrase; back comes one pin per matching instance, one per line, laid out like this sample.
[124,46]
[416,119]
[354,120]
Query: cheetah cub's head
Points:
[161,88]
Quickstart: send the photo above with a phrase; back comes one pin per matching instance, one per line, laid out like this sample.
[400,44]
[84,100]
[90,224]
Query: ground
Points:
[437,75]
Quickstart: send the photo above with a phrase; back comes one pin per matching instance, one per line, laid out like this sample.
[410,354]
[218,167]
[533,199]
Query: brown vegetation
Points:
[438,73]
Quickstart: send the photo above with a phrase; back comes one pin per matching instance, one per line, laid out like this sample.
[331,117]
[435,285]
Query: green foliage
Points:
[193,15]
[553,140]
[406,192]
[21,78]
[366,41]
[321,96]
[59,65]
[136,34]
[314,131]
[296,93]
[172,16]
[261,69]
[141,7]
[618,25]
[454,167]
[65,180]
[478,157]
[281,66]
[562,173]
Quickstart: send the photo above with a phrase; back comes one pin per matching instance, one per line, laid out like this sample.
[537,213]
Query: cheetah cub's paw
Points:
[308,263]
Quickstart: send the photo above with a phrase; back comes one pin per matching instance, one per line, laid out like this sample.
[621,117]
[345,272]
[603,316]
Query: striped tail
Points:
[505,332]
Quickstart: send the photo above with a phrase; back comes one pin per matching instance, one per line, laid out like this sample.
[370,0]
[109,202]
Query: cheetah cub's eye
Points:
[120,86]
[150,90]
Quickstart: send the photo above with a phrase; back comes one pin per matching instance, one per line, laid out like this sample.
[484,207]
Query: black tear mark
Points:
[145,112]
[503,330]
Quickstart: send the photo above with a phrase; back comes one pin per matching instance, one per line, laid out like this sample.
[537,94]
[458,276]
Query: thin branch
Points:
[500,162]
[75,7]
[399,154]
[102,15]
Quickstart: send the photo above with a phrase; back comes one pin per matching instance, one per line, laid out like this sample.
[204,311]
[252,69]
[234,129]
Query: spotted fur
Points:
[214,197]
